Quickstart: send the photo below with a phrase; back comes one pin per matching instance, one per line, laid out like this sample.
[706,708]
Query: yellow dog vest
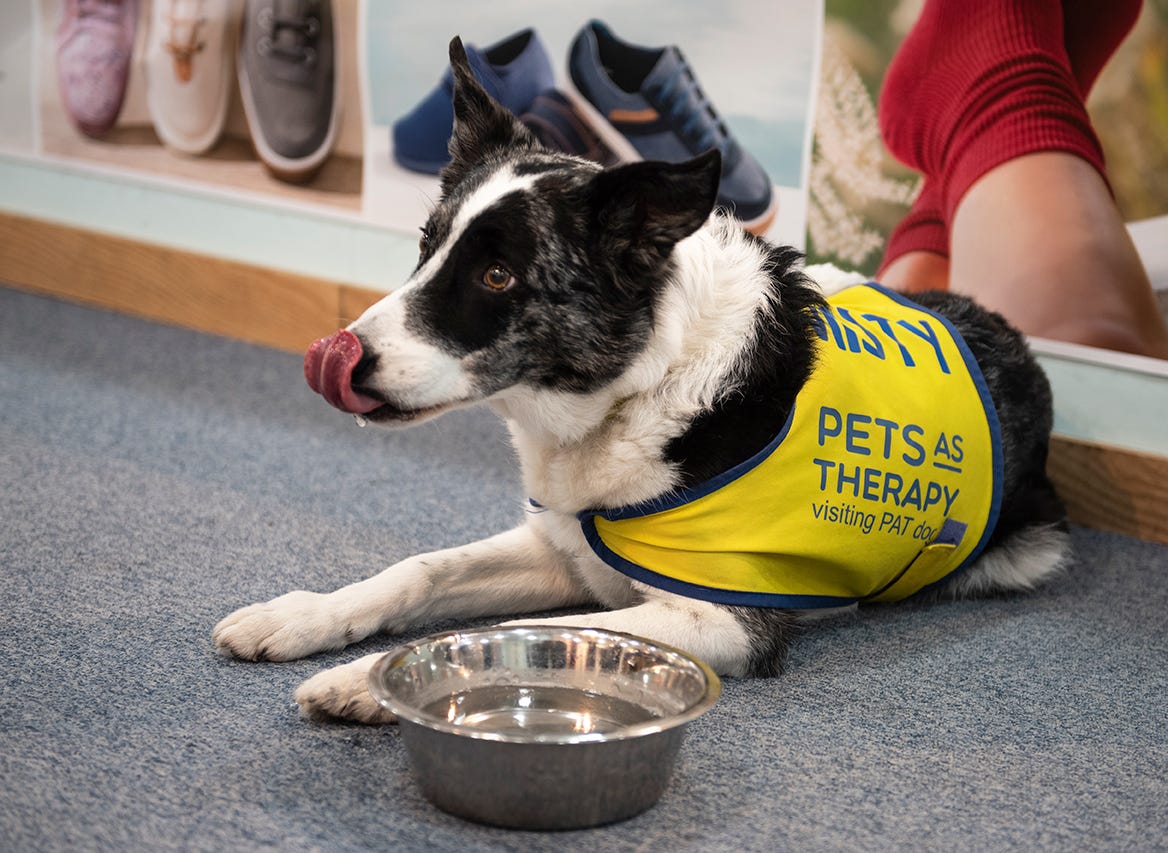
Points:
[885,478]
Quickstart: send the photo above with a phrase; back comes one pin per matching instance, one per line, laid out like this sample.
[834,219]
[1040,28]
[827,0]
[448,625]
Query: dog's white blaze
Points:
[502,183]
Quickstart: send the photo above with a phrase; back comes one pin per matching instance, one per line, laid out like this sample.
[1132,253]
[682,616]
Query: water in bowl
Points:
[531,711]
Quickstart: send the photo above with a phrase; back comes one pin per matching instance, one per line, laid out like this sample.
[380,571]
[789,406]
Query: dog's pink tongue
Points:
[328,367]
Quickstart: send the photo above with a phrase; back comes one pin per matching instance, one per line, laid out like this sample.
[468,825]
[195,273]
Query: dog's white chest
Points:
[563,531]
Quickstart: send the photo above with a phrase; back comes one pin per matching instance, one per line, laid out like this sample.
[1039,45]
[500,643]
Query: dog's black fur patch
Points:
[778,362]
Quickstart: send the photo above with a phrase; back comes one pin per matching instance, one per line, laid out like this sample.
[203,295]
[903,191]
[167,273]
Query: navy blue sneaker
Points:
[513,71]
[646,104]
[558,125]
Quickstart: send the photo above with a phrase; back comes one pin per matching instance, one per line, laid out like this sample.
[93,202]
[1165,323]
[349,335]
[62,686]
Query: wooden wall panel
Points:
[251,303]
[1112,488]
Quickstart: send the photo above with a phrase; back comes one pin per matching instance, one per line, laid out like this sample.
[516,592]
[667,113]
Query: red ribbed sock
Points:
[1092,31]
[976,84]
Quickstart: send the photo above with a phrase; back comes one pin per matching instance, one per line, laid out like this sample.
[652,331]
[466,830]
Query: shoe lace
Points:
[301,24]
[683,100]
[185,19]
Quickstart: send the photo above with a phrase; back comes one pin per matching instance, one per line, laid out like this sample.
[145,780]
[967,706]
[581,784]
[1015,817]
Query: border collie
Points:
[713,446]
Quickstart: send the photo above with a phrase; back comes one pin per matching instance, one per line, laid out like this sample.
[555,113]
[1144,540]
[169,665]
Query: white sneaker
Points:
[190,70]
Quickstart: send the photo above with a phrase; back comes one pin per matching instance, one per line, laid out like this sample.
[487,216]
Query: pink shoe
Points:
[95,43]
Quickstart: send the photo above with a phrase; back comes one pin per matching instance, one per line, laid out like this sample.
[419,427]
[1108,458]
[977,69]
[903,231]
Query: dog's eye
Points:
[424,242]
[498,277]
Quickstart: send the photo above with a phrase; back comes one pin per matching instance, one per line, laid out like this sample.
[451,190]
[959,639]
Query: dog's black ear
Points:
[643,209]
[482,126]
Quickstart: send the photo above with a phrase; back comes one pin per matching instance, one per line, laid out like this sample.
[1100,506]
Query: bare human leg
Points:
[1039,239]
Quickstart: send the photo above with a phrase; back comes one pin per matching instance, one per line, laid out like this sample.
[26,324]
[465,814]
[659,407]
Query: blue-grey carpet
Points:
[154,479]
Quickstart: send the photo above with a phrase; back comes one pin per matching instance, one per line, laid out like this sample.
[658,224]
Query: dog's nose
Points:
[328,367]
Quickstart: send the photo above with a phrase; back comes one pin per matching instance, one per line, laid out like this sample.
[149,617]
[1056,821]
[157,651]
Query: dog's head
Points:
[536,269]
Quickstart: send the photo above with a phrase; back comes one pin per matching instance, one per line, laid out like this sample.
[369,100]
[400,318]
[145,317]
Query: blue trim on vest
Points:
[704,593]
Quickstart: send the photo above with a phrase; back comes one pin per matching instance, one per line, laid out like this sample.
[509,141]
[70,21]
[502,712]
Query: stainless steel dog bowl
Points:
[542,727]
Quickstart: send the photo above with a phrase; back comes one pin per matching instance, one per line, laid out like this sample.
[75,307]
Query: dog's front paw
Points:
[285,628]
[342,693]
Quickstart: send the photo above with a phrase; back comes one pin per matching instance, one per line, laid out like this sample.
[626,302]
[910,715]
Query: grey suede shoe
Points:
[289,84]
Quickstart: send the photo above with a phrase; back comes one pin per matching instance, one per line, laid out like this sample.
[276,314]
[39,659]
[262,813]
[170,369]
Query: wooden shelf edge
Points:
[231,298]
[1111,488]
[1104,487]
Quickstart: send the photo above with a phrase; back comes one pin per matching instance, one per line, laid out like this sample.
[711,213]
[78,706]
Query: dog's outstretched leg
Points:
[709,631]
[513,572]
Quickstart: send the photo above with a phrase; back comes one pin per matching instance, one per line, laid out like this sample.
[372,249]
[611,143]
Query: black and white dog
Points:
[637,343]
